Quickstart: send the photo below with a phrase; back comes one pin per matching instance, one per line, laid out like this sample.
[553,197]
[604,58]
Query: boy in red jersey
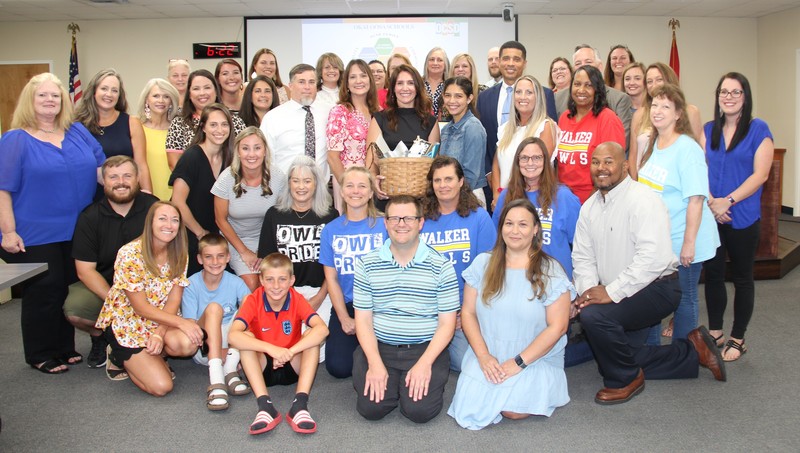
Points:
[274,351]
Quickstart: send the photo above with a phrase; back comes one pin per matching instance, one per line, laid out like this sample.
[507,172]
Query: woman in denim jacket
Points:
[464,138]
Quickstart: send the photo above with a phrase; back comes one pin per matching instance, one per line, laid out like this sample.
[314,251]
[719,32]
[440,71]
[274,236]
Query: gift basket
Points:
[405,169]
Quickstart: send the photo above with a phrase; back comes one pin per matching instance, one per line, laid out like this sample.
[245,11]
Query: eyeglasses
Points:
[535,159]
[735,94]
[408,220]
[557,70]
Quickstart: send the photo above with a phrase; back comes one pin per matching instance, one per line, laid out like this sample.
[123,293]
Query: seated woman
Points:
[242,195]
[139,318]
[260,96]
[344,240]
[196,173]
[515,315]
[406,117]
[457,227]
[293,227]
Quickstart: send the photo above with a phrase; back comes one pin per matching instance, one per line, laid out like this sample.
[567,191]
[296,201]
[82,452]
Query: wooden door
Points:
[13,77]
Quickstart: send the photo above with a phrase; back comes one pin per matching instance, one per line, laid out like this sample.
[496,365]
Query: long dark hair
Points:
[248,112]
[596,79]
[422,103]
[188,106]
[346,99]
[467,201]
[200,134]
[743,124]
[539,265]
[466,86]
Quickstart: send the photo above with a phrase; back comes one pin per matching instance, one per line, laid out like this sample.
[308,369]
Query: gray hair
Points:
[321,204]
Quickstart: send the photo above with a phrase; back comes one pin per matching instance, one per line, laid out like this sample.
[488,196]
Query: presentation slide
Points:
[303,40]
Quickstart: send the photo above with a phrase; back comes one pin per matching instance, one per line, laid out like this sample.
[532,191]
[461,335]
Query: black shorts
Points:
[284,375]
[119,354]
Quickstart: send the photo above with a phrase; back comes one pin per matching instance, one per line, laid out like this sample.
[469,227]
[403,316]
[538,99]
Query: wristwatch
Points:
[520,363]
[733,202]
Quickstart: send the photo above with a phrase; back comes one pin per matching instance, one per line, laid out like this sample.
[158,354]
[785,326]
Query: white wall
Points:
[778,42]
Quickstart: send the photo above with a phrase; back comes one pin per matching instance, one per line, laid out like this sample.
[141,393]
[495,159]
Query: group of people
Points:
[532,224]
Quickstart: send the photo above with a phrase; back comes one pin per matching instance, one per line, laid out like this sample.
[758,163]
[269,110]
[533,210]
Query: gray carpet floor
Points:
[758,409]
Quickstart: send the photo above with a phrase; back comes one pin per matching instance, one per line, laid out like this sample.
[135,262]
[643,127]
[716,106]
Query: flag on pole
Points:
[75,90]
[674,59]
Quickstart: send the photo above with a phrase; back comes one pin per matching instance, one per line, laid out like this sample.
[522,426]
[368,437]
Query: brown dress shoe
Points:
[617,396]
[707,353]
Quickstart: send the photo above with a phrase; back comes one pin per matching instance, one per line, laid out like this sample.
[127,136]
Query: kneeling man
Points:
[625,273]
[405,296]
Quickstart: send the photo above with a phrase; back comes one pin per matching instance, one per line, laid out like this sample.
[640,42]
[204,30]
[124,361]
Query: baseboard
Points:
[787,210]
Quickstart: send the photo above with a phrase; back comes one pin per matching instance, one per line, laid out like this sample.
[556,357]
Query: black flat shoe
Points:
[49,367]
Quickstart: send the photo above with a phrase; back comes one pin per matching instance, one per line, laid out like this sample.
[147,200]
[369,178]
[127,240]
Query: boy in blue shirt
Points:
[211,299]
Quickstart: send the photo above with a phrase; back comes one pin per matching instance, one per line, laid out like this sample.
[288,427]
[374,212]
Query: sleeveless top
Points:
[116,137]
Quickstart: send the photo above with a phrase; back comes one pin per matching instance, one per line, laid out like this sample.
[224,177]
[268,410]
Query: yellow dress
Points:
[157,162]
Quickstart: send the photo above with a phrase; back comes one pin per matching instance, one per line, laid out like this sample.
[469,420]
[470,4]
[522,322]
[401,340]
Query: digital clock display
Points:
[217,50]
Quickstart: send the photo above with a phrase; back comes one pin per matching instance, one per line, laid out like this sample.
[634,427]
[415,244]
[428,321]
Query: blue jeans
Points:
[685,317]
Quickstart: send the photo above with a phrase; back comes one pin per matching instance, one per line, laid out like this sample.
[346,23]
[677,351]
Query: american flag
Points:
[75,90]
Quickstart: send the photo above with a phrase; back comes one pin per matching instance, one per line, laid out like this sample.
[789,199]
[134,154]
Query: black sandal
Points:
[49,367]
[734,345]
[719,341]
[71,358]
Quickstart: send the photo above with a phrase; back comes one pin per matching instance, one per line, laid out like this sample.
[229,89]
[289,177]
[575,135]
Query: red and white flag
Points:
[75,90]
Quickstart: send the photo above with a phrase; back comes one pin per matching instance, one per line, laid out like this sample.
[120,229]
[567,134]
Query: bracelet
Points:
[157,336]
[730,198]
[499,190]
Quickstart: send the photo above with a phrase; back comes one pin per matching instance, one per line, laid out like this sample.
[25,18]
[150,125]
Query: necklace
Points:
[102,130]
[301,216]
[51,131]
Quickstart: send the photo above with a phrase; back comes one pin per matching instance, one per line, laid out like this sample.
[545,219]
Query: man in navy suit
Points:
[492,102]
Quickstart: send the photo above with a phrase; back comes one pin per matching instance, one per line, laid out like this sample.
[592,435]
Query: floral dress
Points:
[347,133]
[130,274]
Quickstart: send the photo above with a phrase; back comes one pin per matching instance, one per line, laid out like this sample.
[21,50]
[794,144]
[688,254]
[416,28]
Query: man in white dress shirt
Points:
[626,275]
[285,126]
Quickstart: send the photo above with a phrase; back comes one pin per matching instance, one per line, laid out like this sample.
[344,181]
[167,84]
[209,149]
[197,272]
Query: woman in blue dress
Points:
[515,316]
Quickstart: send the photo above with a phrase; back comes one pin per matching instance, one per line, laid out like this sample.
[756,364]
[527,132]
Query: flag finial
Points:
[673,23]
[74,28]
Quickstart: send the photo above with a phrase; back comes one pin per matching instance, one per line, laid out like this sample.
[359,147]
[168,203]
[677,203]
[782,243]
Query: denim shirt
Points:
[465,141]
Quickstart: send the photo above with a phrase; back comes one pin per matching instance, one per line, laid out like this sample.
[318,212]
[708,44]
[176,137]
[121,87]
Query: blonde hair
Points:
[177,249]
[372,210]
[276,260]
[178,62]
[236,163]
[24,114]
[446,63]
[164,86]
[473,77]
[537,117]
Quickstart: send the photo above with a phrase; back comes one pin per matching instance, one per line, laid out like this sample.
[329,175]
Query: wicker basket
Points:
[405,175]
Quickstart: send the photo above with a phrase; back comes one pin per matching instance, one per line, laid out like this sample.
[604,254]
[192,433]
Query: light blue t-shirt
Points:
[677,173]
[229,294]
[343,242]
[460,239]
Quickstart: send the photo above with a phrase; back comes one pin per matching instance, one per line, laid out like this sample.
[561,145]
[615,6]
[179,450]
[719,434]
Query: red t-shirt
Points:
[280,328]
[577,142]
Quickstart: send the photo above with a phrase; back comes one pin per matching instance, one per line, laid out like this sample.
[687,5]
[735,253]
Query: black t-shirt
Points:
[409,127]
[195,170]
[100,232]
[297,238]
